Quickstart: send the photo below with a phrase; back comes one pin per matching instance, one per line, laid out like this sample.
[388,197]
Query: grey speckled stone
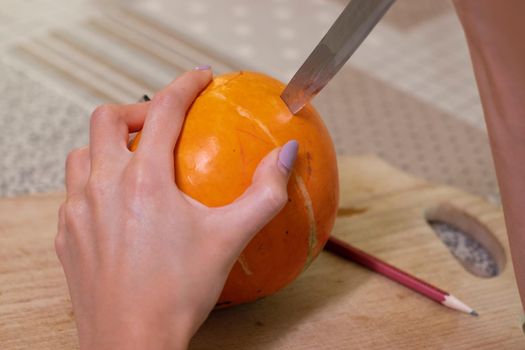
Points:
[38,128]
[475,257]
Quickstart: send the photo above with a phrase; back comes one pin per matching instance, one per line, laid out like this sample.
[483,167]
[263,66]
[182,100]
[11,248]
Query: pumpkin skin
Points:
[230,127]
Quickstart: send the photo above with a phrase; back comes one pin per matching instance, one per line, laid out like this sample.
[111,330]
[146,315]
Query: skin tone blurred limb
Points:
[145,263]
[495,32]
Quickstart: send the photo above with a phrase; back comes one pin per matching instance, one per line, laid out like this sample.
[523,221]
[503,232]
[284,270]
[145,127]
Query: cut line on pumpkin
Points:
[312,232]
[244,265]
[245,114]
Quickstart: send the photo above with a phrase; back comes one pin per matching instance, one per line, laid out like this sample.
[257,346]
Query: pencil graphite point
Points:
[474,313]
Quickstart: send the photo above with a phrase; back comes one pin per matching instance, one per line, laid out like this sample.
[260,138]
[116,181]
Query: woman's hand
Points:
[145,263]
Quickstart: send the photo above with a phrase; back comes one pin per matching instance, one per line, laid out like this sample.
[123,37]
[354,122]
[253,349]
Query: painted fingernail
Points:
[203,67]
[288,154]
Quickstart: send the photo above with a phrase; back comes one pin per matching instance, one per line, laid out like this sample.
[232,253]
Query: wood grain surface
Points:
[335,304]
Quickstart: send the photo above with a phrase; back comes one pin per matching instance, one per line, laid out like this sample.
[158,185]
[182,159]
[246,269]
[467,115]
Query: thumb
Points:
[266,196]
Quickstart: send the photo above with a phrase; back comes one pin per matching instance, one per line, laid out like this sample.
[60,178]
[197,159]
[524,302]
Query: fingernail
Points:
[203,67]
[288,154]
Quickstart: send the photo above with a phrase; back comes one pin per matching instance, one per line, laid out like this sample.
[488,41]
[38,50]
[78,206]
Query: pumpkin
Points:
[230,127]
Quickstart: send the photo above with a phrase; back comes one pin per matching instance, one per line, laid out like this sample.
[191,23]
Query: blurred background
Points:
[408,94]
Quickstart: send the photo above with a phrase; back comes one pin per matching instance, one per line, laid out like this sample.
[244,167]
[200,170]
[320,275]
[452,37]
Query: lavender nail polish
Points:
[203,67]
[288,154]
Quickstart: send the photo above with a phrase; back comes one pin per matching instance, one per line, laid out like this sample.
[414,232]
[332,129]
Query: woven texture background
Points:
[407,95]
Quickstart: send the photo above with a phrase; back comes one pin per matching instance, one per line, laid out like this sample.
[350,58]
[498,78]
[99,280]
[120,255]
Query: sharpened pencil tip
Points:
[474,313]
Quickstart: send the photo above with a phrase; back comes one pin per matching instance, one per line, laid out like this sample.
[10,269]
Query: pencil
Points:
[345,250]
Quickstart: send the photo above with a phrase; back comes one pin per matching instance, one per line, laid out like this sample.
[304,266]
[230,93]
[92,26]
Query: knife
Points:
[346,34]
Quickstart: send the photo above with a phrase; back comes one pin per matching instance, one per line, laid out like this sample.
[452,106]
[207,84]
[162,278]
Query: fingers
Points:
[166,115]
[77,170]
[110,127]
[263,199]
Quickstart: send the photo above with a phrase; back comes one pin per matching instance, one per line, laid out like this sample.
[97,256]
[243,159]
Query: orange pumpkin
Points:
[230,127]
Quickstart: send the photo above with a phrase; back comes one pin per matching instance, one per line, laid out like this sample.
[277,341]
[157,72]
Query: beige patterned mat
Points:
[122,53]
[366,115]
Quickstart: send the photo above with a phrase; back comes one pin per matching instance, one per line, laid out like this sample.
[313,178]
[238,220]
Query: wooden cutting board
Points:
[335,304]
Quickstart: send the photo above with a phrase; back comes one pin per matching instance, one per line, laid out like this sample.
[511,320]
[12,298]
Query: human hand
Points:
[144,262]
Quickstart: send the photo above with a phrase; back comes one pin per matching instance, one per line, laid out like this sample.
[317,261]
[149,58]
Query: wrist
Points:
[136,335]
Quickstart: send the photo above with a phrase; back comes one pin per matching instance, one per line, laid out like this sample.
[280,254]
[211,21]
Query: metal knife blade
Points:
[346,34]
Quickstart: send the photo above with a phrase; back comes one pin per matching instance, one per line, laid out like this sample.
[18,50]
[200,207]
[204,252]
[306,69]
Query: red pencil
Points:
[349,252]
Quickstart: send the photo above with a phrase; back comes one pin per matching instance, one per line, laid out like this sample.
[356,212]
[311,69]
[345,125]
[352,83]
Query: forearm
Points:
[495,34]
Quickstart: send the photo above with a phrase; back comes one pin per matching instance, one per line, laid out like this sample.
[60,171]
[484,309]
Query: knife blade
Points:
[342,39]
